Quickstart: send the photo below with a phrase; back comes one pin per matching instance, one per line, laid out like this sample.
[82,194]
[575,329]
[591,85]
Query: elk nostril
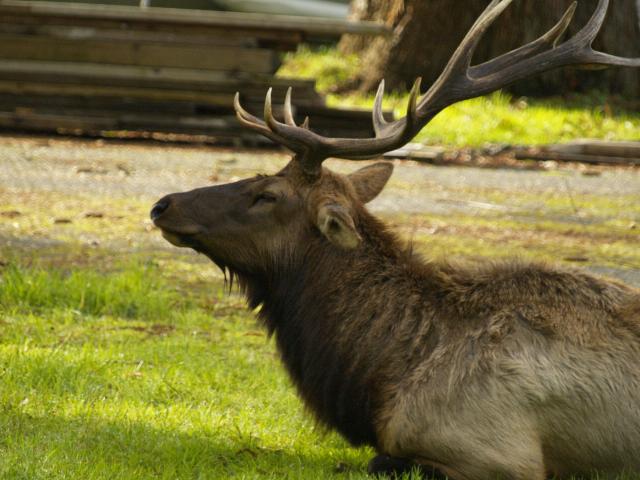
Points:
[158,209]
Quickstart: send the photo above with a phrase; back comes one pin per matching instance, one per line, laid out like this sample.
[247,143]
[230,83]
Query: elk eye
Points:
[264,197]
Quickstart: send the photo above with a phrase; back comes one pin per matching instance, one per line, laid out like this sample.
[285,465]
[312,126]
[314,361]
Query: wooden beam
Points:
[598,147]
[281,40]
[13,26]
[207,57]
[228,20]
[107,122]
[186,81]
[575,157]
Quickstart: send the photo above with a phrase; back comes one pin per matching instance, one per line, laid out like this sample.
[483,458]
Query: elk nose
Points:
[159,208]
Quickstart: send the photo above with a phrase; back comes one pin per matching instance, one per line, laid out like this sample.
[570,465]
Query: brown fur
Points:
[501,370]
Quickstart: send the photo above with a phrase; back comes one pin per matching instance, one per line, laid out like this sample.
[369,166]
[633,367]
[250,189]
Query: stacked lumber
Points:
[586,151]
[102,68]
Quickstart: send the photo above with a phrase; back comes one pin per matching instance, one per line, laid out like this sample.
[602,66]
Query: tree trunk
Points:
[426,32]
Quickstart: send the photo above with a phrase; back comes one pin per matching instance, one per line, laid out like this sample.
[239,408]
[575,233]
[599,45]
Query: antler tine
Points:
[379,123]
[461,59]
[305,124]
[260,126]
[297,139]
[554,34]
[591,29]
[463,54]
[378,119]
[268,111]
[274,125]
[546,41]
[252,122]
[245,117]
[288,113]
[587,35]
[412,104]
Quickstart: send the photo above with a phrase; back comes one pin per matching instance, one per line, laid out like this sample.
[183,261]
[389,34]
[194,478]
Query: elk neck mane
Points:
[317,303]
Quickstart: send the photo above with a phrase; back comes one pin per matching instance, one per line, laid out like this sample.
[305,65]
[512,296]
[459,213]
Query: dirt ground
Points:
[573,208]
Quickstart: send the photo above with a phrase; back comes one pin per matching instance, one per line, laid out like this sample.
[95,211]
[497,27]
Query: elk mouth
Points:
[179,236]
[176,239]
[188,239]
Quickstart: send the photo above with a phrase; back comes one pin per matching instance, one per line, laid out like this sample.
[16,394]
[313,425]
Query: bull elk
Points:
[507,370]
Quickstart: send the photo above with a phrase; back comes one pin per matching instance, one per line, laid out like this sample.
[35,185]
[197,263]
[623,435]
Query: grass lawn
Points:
[122,357]
[495,119]
[126,364]
[118,374]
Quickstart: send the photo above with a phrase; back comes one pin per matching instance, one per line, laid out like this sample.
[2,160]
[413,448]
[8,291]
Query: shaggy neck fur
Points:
[327,313]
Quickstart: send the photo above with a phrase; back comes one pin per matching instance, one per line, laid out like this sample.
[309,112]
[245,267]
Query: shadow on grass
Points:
[56,447]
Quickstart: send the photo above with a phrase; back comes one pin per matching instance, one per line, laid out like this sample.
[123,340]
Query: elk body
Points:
[507,370]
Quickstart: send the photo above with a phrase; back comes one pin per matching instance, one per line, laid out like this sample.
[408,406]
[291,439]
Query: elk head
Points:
[247,224]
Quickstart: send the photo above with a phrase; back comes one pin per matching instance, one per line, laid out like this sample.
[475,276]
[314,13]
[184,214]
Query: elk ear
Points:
[337,225]
[369,181]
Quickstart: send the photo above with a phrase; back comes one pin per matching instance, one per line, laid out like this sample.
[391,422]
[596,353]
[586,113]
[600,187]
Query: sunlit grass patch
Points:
[116,374]
[330,68]
[499,118]
[134,292]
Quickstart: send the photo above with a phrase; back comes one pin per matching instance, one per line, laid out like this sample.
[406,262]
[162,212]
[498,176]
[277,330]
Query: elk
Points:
[505,370]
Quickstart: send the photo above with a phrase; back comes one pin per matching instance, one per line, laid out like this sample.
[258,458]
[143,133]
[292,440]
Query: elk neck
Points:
[334,314]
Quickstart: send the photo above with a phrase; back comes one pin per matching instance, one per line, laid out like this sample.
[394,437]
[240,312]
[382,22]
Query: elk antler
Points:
[458,81]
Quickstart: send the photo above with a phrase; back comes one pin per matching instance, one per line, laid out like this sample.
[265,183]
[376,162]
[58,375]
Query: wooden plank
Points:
[620,149]
[211,57]
[575,157]
[88,95]
[12,26]
[598,147]
[121,124]
[228,20]
[158,78]
[218,127]
[281,40]
[115,106]
[96,93]
[57,103]
[40,122]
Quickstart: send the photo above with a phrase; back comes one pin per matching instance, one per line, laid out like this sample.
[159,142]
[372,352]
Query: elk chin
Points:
[175,239]
[180,236]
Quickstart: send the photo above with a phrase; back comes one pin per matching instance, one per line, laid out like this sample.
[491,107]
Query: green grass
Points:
[496,118]
[117,375]
[127,359]
[130,293]
[330,68]
[114,372]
